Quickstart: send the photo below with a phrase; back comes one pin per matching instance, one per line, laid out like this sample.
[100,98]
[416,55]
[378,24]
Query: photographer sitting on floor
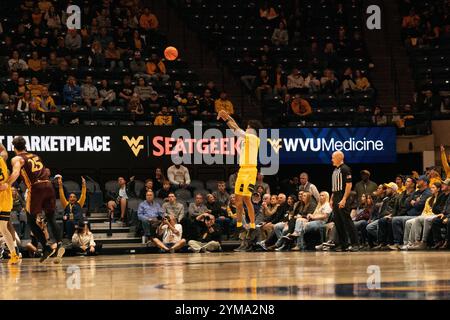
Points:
[209,237]
[171,233]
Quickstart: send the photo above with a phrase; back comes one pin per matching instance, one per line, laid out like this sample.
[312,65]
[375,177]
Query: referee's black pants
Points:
[343,223]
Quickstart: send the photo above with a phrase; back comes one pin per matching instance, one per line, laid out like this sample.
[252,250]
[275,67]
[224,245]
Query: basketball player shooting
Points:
[246,177]
[41,195]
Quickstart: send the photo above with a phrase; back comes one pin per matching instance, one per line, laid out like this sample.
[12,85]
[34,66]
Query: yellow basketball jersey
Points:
[6,199]
[249,151]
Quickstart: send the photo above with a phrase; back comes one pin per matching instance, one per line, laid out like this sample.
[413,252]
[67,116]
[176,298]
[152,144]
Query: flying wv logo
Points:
[275,144]
[134,144]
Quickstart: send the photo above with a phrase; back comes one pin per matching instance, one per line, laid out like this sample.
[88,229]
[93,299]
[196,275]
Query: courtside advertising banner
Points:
[144,147]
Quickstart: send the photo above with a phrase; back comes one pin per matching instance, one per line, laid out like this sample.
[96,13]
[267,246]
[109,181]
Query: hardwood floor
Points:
[237,276]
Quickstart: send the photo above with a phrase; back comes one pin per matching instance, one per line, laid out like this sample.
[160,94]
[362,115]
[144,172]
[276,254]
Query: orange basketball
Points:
[171,53]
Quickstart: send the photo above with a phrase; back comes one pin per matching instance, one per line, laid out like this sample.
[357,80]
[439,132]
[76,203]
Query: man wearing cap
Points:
[388,208]
[442,217]
[404,204]
[417,204]
[365,186]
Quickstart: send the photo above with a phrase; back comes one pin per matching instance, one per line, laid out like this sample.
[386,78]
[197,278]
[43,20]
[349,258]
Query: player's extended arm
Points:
[16,166]
[229,120]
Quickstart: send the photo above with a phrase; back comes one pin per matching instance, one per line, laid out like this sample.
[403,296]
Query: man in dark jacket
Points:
[442,218]
[388,208]
[119,197]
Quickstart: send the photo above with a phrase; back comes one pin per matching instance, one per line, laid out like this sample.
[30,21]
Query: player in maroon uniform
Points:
[41,195]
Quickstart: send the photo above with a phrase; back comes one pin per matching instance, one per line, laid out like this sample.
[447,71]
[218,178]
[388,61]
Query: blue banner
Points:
[315,145]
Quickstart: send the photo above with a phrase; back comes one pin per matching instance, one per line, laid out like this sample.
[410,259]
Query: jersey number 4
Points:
[36,164]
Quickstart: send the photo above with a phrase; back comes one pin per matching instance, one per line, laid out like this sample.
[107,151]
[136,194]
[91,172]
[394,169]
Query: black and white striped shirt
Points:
[341,176]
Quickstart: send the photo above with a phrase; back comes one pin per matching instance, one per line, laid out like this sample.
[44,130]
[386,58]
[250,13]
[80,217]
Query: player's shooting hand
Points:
[83,180]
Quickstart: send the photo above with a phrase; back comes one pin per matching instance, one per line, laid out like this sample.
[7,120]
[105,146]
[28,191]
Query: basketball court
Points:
[236,276]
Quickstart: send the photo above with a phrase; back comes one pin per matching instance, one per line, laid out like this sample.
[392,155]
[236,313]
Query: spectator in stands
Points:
[207,109]
[71,91]
[119,197]
[307,186]
[441,220]
[138,66]
[269,205]
[365,186]
[182,116]
[300,107]
[389,208]
[83,239]
[148,186]
[413,227]
[135,106]
[268,224]
[89,93]
[150,214]
[171,234]
[429,103]
[279,87]
[362,83]
[260,182]
[417,204]
[10,89]
[378,117]
[348,82]
[223,103]
[158,179]
[264,85]
[178,176]
[267,13]
[73,41]
[329,82]
[399,181]
[404,204]
[163,118]
[157,69]
[208,240]
[248,71]
[73,208]
[362,215]
[197,207]
[34,63]
[312,83]
[211,86]
[112,56]
[24,103]
[16,63]
[148,21]
[107,96]
[221,194]
[166,189]
[53,19]
[35,88]
[126,92]
[314,222]
[295,82]
[280,36]
[173,208]
[214,206]
[144,91]
[192,106]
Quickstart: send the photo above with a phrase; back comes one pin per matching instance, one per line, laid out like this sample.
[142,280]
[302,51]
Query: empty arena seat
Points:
[71,186]
[111,186]
[138,186]
[211,185]
[197,184]
[183,194]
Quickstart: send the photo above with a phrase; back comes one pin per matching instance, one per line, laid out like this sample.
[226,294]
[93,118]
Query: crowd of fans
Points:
[111,69]
[176,214]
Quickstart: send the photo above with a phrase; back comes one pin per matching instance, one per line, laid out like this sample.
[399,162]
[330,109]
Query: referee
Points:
[341,187]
